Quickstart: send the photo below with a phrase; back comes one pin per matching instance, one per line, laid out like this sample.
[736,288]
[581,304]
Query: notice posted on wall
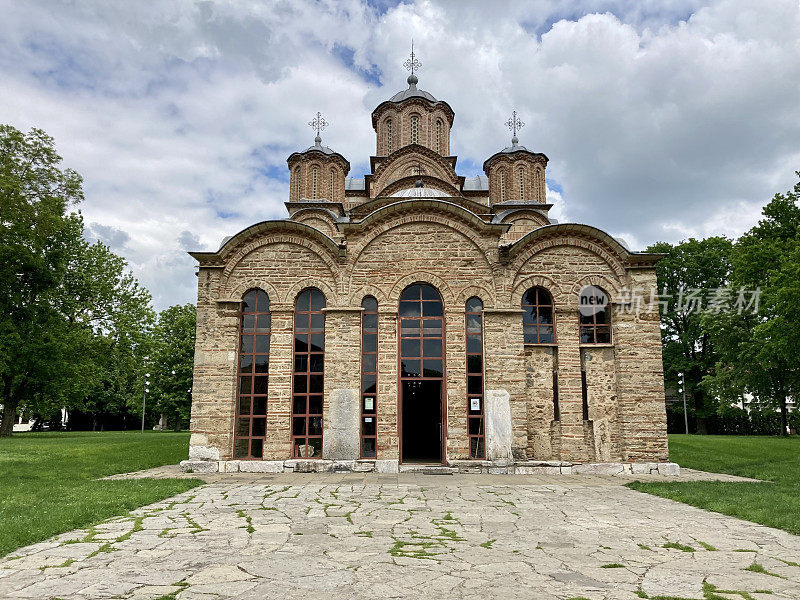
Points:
[369,403]
[474,403]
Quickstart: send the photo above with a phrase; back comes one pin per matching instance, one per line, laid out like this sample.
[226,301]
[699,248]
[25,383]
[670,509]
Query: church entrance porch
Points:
[421,374]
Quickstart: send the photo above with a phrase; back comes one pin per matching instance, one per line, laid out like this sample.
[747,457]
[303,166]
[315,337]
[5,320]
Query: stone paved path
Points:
[348,536]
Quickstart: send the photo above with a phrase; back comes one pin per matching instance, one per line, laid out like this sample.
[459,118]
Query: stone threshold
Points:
[489,467]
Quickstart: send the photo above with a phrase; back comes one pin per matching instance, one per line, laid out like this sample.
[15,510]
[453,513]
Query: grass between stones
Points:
[49,481]
[776,460]
[710,592]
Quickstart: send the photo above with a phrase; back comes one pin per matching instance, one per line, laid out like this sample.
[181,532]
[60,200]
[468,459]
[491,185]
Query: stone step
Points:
[428,469]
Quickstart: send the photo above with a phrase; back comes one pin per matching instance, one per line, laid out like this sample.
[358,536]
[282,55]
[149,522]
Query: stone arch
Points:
[486,296]
[567,234]
[611,287]
[406,158]
[328,290]
[457,217]
[448,298]
[559,298]
[238,291]
[369,290]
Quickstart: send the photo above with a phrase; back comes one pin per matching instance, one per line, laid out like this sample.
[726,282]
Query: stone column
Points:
[278,444]
[505,405]
[573,442]
[341,437]
[456,445]
[388,395]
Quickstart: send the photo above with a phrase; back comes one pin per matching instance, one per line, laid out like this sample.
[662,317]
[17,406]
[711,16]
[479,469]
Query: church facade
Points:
[419,317]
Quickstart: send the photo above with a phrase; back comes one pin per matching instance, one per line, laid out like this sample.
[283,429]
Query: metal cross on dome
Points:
[318,123]
[514,123]
[412,64]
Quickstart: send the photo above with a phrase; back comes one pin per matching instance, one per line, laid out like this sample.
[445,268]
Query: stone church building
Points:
[416,318]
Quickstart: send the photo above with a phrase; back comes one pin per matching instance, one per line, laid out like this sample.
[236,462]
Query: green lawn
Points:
[48,481]
[773,459]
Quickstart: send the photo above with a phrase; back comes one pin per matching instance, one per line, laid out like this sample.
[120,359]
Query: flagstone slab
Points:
[408,535]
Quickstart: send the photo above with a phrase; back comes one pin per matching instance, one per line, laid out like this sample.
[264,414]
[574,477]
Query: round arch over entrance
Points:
[422,371]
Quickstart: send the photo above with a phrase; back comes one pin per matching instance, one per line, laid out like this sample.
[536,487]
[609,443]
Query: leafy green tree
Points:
[38,235]
[758,352]
[172,361]
[687,346]
[73,321]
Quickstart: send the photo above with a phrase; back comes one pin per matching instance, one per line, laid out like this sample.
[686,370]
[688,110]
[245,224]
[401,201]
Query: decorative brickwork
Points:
[492,246]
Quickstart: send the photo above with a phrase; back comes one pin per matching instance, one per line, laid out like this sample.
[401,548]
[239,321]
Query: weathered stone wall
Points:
[458,255]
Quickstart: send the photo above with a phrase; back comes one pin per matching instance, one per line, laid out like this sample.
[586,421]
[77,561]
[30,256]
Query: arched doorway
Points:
[421,374]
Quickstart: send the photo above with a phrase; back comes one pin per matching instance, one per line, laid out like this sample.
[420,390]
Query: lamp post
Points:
[144,395]
[682,388]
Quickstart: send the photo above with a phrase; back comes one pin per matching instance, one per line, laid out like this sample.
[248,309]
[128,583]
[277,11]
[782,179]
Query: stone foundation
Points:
[497,467]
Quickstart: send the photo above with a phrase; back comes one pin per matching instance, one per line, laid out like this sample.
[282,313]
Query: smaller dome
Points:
[420,192]
[412,92]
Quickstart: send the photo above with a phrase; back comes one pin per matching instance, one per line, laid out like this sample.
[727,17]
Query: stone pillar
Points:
[341,437]
[388,394]
[504,370]
[278,445]
[601,385]
[214,379]
[540,363]
[456,444]
[640,384]
[573,443]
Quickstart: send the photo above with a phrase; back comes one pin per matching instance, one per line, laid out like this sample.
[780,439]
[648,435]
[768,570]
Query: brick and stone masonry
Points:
[414,220]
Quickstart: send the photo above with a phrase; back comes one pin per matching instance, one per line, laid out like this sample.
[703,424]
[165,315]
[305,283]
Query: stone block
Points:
[197,452]
[497,419]
[498,470]
[229,466]
[644,468]
[309,466]
[526,470]
[599,469]
[199,466]
[261,466]
[567,470]
[669,469]
[364,466]
[342,433]
[387,466]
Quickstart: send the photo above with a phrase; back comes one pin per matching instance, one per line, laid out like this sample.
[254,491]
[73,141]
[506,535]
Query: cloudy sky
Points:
[662,120]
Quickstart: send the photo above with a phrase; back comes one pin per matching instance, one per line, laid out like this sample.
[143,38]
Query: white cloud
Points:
[661,119]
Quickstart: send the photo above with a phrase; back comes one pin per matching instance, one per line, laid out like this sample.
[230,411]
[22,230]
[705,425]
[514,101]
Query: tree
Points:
[73,320]
[172,359]
[759,350]
[38,234]
[688,267]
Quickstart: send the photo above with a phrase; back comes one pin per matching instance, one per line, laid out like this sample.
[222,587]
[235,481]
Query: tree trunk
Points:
[9,409]
[784,416]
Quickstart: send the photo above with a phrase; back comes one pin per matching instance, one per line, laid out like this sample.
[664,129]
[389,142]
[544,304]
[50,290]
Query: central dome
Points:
[420,192]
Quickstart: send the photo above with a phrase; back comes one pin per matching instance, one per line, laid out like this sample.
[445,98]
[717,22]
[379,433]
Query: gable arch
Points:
[304,283]
[356,296]
[448,298]
[485,295]
[543,281]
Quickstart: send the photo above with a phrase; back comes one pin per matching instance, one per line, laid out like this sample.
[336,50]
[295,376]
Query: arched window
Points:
[502,186]
[596,327]
[307,382]
[297,184]
[330,185]
[253,368]
[369,377]
[537,178]
[439,136]
[521,183]
[415,129]
[314,183]
[389,143]
[474,325]
[537,316]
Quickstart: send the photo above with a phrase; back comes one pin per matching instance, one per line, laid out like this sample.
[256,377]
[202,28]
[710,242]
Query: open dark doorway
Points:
[422,421]
[421,374]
